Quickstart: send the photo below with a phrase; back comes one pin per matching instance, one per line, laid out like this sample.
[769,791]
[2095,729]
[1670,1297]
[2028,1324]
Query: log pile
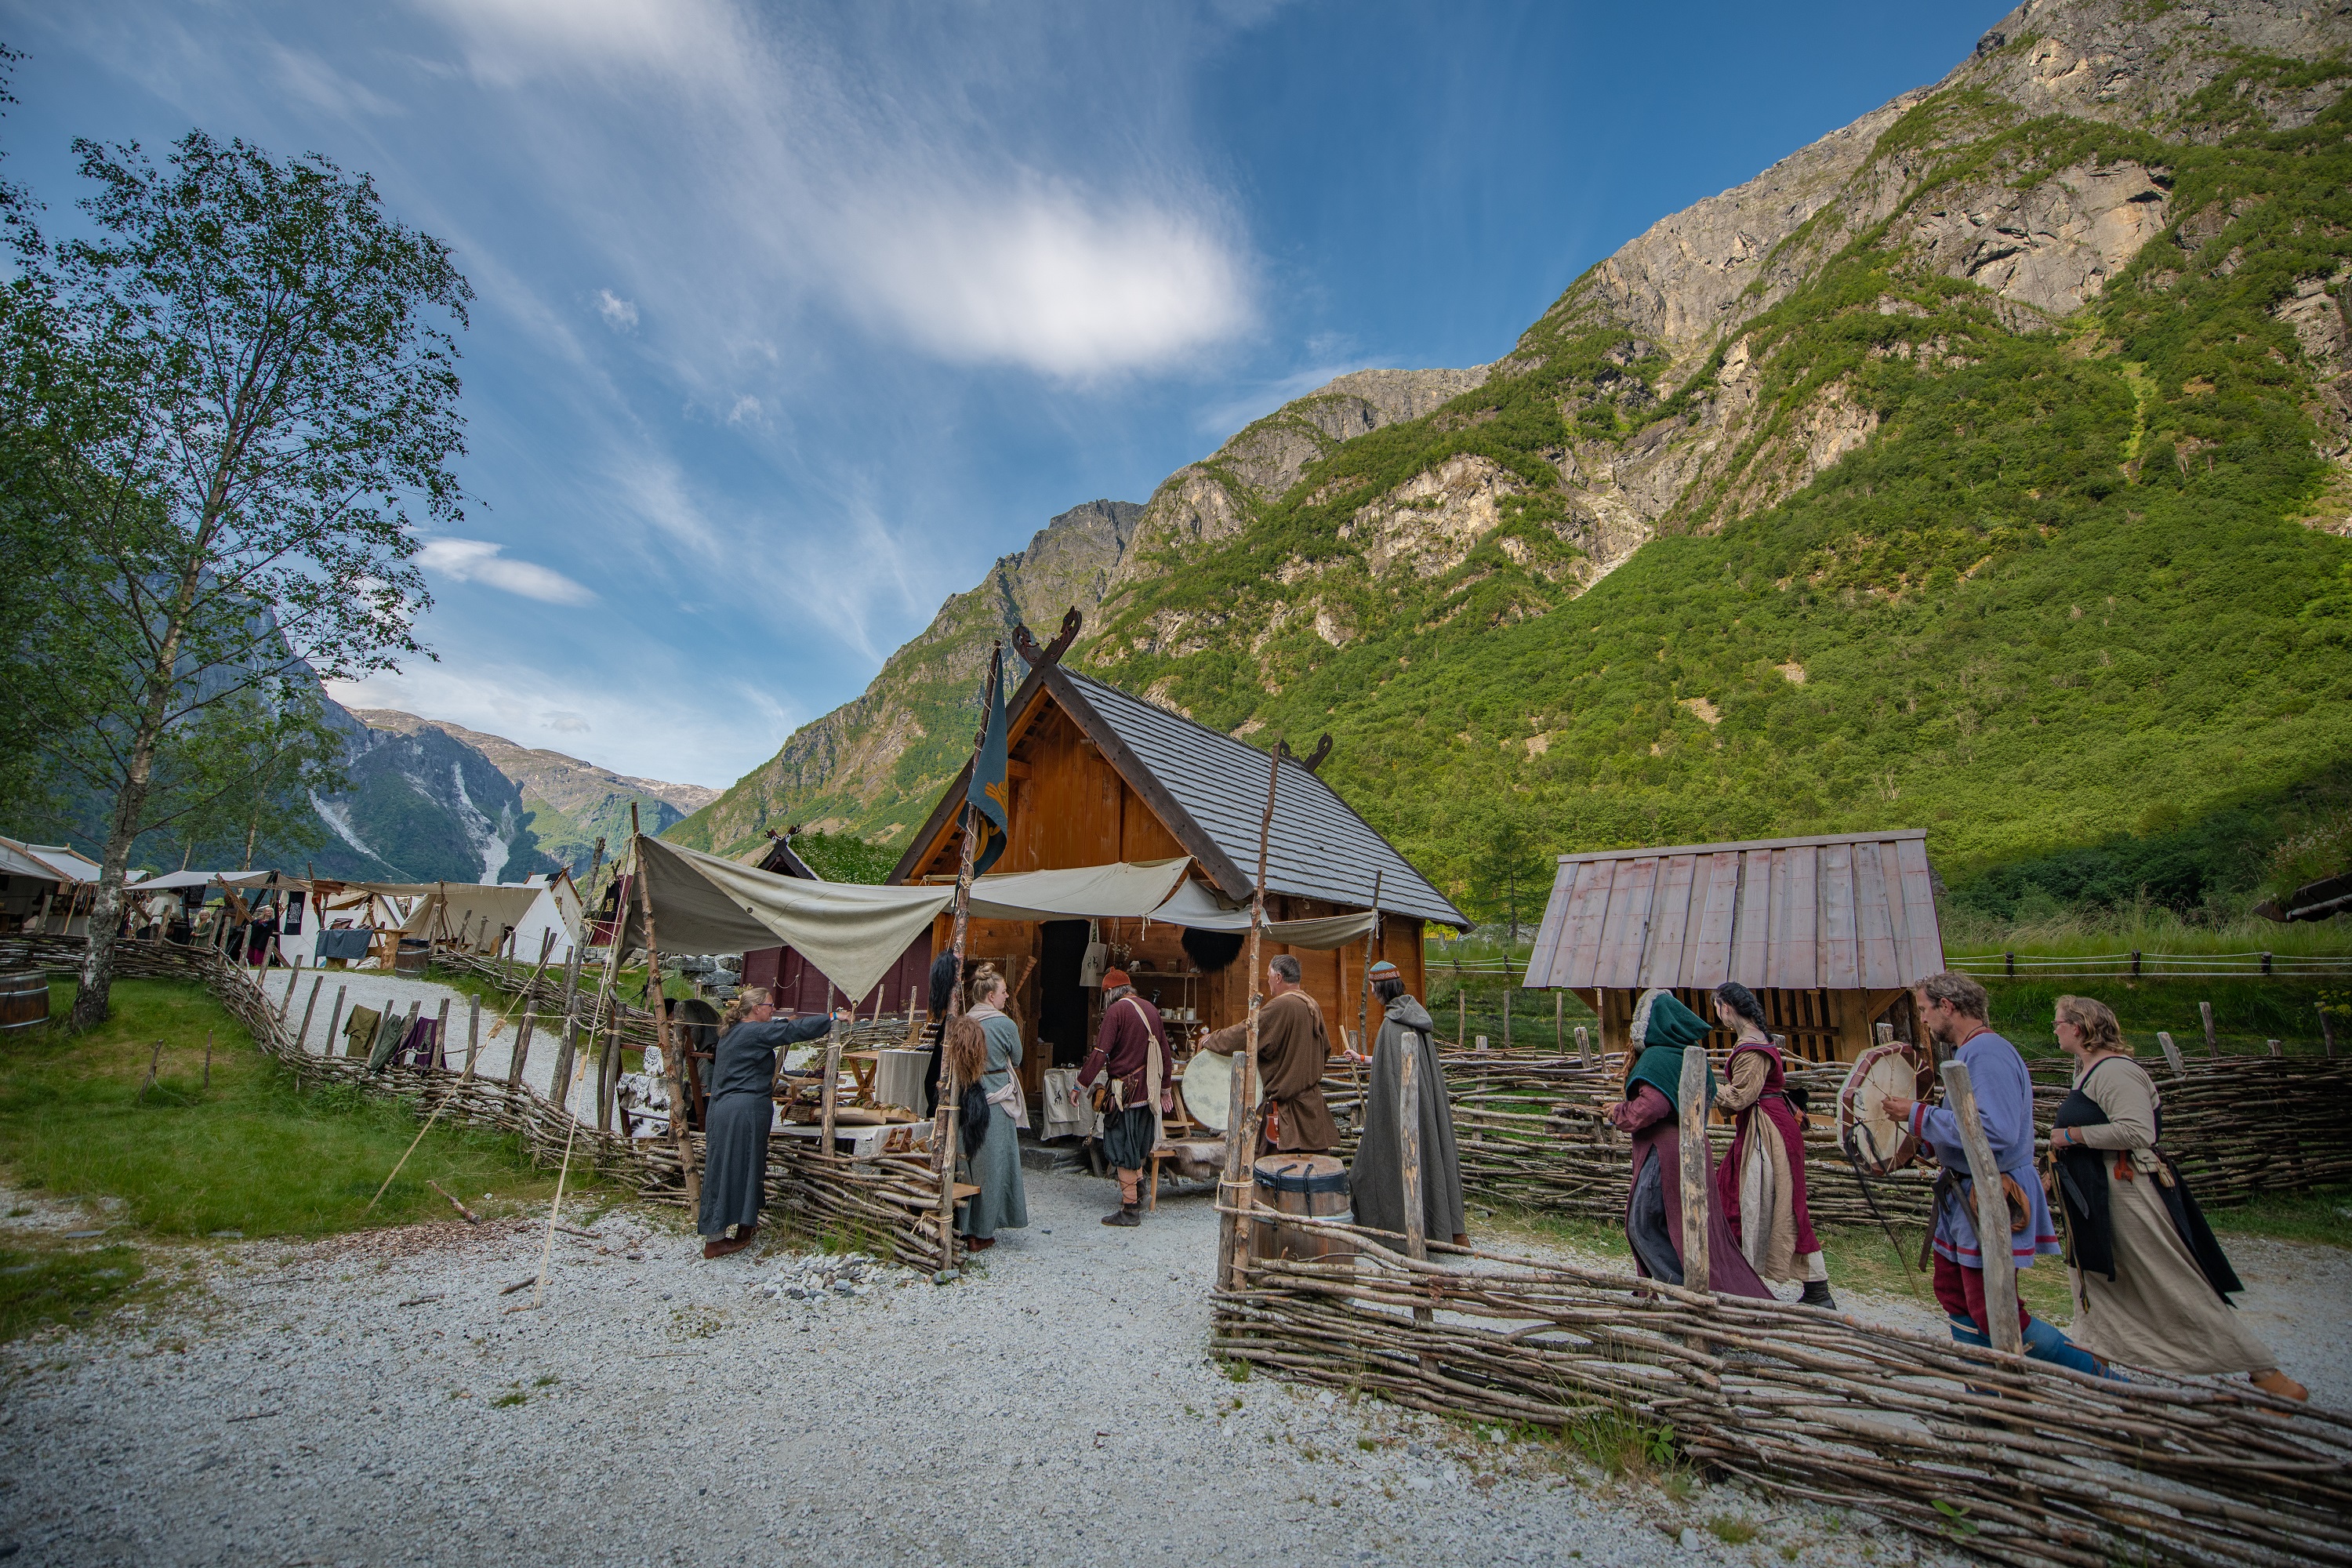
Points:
[887,1202]
[2009,1457]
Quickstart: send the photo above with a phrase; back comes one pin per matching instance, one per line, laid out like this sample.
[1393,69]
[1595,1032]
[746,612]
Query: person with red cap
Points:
[1132,1049]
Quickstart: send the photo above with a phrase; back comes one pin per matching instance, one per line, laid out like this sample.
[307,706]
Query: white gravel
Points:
[338,1402]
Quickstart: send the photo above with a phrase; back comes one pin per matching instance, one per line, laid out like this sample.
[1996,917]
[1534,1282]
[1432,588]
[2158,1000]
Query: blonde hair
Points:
[742,1002]
[2096,1020]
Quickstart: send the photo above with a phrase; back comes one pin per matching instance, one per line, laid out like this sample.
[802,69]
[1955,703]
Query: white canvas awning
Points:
[1196,907]
[854,932]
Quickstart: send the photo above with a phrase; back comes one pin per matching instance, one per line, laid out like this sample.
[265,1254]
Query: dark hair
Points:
[1388,988]
[1285,967]
[1742,1000]
[943,977]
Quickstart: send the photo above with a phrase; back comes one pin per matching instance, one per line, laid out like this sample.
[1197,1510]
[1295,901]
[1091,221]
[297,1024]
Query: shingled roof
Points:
[1209,790]
[1843,913]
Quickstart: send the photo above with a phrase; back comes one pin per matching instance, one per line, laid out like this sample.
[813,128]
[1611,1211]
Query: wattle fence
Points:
[888,1201]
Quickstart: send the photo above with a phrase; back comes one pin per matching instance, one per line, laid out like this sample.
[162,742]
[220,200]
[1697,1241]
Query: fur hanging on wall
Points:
[1211,950]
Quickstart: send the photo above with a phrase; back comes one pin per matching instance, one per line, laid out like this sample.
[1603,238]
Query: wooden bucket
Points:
[412,956]
[24,1000]
[1311,1184]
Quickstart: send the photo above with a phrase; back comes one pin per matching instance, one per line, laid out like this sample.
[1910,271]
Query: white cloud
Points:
[678,733]
[746,411]
[478,560]
[619,314]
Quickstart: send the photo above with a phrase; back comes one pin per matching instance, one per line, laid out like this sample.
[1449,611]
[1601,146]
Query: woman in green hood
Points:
[1662,1030]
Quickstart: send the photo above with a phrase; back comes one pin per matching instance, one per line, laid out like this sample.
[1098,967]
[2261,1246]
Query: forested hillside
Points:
[1981,468]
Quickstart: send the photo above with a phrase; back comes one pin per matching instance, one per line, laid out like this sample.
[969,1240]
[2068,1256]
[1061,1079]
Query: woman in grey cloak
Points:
[995,1167]
[742,1108]
[1376,1180]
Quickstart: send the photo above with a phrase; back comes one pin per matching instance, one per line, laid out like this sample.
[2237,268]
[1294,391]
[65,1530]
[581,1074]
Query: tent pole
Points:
[678,1104]
[1239,1188]
[943,1121]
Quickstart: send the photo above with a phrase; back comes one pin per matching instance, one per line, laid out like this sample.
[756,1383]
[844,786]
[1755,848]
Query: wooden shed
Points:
[1829,933]
[1097,776]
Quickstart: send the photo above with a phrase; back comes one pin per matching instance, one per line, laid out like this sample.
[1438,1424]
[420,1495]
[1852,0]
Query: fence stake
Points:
[1692,1145]
[2171,1054]
[2205,1011]
[1993,1247]
[2274,1047]
[2009,961]
[2135,963]
[2266,963]
[1583,1046]
[2327,1033]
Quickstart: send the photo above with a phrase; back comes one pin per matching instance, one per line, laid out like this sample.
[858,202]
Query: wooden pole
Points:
[2274,1045]
[944,1120]
[832,1083]
[1364,1007]
[1240,1186]
[473,1033]
[606,1018]
[285,1008]
[2171,1054]
[522,1045]
[678,1102]
[441,1036]
[2205,1011]
[1583,1046]
[563,1096]
[1692,1146]
[333,1018]
[2327,1033]
[1558,1019]
[1991,1215]
[1416,1222]
[1461,1012]
[310,1007]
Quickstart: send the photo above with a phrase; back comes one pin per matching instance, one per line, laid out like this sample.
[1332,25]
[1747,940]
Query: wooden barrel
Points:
[1311,1184]
[24,1000]
[413,956]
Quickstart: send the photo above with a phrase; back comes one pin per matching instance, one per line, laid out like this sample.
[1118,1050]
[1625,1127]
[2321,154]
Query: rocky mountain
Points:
[418,807]
[567,803]
[1985,466]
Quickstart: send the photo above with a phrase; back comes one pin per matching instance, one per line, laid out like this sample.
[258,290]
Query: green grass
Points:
[2324,1216]
[249,1154]
[59,1284]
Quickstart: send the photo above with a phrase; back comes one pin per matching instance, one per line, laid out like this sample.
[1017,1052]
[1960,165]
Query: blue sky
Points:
[793,319]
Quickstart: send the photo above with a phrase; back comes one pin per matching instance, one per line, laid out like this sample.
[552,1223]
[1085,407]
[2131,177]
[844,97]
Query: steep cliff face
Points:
[2067,326]
[422,806]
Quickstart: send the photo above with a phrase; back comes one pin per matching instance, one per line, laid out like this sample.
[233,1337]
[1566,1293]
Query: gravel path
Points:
[371,1400]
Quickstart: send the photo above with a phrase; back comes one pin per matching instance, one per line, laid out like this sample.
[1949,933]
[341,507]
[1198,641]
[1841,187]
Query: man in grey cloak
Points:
[1376,1181]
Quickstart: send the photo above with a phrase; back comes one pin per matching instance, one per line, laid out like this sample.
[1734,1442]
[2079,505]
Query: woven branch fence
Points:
[1527,1130]
[889,1202]
[2015,1459]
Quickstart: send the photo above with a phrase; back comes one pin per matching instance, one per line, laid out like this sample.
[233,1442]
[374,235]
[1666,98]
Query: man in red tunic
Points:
[1132,1048]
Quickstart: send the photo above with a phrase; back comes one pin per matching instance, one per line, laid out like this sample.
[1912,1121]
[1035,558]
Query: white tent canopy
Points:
[854,932]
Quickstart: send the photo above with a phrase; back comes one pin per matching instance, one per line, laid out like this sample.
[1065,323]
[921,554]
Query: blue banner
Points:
[991,794]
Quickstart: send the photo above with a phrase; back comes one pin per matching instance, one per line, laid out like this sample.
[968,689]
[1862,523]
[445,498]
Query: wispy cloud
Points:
[619,314]
[479,561]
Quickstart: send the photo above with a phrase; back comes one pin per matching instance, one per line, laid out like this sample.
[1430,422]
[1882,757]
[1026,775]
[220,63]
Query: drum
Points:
[1311,1184]
[1208,1085]
[24,1001]
[1877,1142]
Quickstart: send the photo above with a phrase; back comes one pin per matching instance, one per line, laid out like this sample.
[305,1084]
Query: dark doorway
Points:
[1061,1000]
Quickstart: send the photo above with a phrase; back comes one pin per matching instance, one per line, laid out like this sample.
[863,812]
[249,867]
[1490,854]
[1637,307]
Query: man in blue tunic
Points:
[1952,1009]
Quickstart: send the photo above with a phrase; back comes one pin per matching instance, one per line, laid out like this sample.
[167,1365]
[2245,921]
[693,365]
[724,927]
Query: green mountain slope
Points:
[1981,468]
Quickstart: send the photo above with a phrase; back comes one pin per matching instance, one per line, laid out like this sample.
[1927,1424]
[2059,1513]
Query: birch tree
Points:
[274,371]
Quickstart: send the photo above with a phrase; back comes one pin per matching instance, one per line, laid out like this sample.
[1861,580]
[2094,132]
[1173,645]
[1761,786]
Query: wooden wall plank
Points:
[1706,957]
[1662,959]
[1878,919]
[1923,939]
[1840,962]
[1551,936]
[1752,937]
[1796,919]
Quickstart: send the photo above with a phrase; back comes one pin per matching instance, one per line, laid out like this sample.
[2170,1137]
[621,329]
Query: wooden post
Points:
[832,1083]
[473,1033]
[310,1007]
[605,1019]
[521,1045]
[2205,1011]
[2327,1033]
[1992,1212]
[285,1008]
[1583,1046]
[441,1038]
[680,1103]
[1507,988]
[1558,1020]
[1883,1034]
[407,1027]
[2274,1047]
[334,1019]
[2171,1054]
[1692,1146]
[1364,1006]
[1416,1222]
[1461,1012]
[1239,1188]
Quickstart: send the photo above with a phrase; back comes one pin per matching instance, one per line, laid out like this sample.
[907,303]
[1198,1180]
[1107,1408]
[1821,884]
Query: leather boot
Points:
[1817,1294]
[1125,1215]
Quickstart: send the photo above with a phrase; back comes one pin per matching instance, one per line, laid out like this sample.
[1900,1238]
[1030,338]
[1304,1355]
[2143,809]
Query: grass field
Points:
[247,1152]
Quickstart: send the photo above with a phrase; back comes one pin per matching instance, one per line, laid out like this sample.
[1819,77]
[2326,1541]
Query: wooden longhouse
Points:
[1829,933]
[1099,776]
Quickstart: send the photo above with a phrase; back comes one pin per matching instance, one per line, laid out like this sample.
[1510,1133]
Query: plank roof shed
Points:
[1845,912]
[1209,789]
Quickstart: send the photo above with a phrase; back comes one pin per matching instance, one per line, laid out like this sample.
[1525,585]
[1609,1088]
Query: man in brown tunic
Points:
[1293,1048]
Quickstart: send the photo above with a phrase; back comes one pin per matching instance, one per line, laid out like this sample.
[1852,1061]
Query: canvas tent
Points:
[47,887]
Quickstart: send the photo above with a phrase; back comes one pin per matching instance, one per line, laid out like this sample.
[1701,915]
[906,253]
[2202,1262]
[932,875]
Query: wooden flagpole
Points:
[1239,1188]
[678,1102]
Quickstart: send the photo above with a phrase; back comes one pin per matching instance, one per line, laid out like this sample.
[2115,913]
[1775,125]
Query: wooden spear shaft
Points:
[678,1080]
[943,1123]
[310,1007]
[1240,1186]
